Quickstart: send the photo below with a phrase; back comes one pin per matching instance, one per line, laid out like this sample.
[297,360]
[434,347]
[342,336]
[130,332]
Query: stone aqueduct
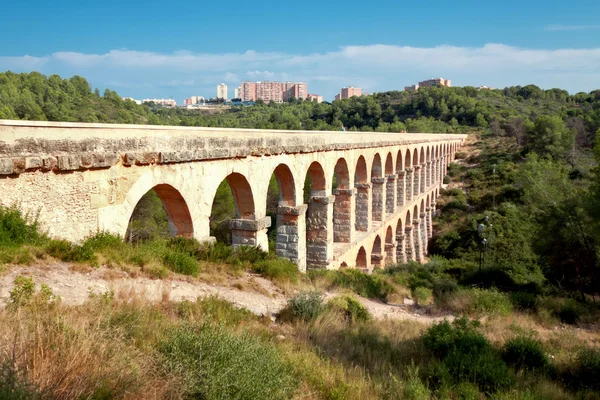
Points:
[82,178]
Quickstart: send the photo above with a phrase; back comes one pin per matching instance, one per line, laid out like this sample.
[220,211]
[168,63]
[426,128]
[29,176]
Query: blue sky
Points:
[167,49]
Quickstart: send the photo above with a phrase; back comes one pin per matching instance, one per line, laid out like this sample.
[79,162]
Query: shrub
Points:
[524,301]
[443,289]
[414,389]
[422,295]
[585,371]
[22,292]
[447,179]
[13,386]
[525,353]
[366,285]
[214,363]
[277,268]
[16,229]
[305,306]
[69,252]
[181,263]
[461,336]
[482,301]
[103,240]
[188,246]
[351,308]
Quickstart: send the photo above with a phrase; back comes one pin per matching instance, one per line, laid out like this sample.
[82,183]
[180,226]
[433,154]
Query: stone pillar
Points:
[417,240]
[343,215]
[390,194]
[429,222]
[401,188]
[409,186]
[250,232]
[319,232]
[378,198]
[428,175]
[437,172]
[409,243]
[390,253]
[376,260]
[291,234]
[423,178]
[363,206]
[416,181]
[401,249]
[424,237]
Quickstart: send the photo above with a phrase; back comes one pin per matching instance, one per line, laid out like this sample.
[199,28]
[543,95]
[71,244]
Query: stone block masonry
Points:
[83,178]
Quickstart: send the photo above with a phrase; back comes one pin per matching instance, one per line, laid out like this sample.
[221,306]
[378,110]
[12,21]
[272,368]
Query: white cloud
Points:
[571,27]
[376,67]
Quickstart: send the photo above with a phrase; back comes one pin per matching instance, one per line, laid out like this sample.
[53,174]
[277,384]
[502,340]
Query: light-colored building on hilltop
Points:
[162,102]
[436,82]
[273,91]
[314,97]
[222,91]
[237,92]
[347,92]
[194,100]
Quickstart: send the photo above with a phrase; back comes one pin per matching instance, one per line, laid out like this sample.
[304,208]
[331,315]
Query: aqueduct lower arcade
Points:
[371,199]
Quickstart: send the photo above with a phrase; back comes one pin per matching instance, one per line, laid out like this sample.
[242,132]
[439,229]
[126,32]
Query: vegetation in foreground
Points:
[109,348]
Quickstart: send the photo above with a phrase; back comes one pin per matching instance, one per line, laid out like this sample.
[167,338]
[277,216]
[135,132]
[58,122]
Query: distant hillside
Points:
[34,96]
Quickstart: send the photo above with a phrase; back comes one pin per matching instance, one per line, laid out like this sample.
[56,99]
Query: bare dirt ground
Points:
[259,295]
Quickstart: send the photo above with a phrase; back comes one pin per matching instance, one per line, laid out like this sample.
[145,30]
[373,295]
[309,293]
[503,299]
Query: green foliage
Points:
[13,386]
[447,179]
[525,353]
[69,252]
[305,306]
[17,229]
[181,263]
[524,301]
[373,286]
[149,219]
[485,301]
[423,295]
[585,371]
[464,354]
[22,292]
[352,309]
[215,363]
[278,269]
[414,388]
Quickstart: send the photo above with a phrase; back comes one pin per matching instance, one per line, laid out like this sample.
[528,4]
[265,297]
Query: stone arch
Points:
[286,185]
[390,185]
[319,237]
[343,265]
[399,164]
[415,157]
[361,258]
[422,156]
[376,255]
[416,186]
[176,208]
[378,194]
[390,248]
[243,200]
[363,193]
[407,162]
[287,217]
[342,206]
[401,178]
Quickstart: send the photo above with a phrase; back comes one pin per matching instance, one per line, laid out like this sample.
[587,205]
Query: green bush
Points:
[484,301]
[585,371]
[214,363]
[69,252]
[181,263]
[459,336]
[524,301]
[103,240]
[13,386]
[422,295]
[305,306]
[17,229]
[351,308]
[277,268]
[447,179]
[414,389]
[188,246]
[366,285]
[525,353]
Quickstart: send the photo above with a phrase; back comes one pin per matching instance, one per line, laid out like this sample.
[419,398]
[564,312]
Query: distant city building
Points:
[132,99]
[194,100]
[272,91]
[314,97]
[222,91]
[163,102]
[435,82]
[412,88]
[237,93]
[485,88]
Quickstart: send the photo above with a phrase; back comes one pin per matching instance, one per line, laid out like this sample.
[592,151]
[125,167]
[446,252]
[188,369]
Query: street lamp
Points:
[482,242]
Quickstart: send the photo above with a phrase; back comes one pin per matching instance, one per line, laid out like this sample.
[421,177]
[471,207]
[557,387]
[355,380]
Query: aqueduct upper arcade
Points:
[82,178]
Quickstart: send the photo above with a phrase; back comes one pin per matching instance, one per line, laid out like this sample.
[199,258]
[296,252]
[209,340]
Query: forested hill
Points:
[34,96]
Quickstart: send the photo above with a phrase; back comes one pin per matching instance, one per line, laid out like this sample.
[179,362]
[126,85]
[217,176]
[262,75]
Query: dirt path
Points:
[75,288]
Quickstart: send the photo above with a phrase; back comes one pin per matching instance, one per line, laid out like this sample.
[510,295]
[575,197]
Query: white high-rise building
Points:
[222,91]
[237,93]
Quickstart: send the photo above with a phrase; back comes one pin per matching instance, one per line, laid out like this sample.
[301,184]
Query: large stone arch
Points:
[363,195]
[390,246]
[378,189]
[416,174]
[390,185]
[401,178]
[319,216]
[361,259]
[286,184]
[342,206]
[400,242]
[376,253]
